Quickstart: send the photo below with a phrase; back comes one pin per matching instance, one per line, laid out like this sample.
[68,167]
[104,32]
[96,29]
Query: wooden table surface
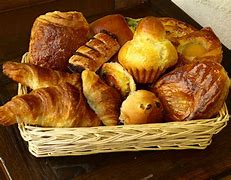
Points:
[212,163]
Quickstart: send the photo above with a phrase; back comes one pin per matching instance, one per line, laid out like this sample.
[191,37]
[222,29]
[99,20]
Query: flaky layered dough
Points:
[149,53]
[193,91]
[94,53]
[54,38]
[103,99]
[56,106]
[175,28]
[35,77]
[201,45]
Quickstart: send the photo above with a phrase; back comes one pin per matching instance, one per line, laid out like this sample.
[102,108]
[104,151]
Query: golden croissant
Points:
[38,77]
[55,106]
[103,99]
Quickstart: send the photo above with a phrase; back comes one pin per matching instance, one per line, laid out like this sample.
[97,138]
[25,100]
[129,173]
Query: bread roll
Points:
[141,107]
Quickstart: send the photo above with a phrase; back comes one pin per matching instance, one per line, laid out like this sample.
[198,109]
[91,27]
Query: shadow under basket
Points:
[195,134]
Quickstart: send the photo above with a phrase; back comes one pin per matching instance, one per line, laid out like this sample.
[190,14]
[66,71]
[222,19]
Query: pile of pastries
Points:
[116,70]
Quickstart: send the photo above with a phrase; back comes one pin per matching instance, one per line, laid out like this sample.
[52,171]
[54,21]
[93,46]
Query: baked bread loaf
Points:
[35,77]
[201,45]
[114,23]
[141,107]
[103,99]
[175,29]
[55,106]
[54,38]
[116,76]
[94,53]
[149,53]
[193,91]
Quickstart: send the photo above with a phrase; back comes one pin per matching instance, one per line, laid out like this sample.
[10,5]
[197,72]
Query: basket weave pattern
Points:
[195,134]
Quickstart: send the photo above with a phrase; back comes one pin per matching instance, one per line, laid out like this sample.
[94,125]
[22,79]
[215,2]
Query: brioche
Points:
[149,53]
[141,107]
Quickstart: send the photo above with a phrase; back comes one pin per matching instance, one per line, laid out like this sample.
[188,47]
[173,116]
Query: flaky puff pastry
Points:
[201,45]
[141,107]
[103,99]
[116,76]
[55,36]
[175,28]
[193,91]
[35,77]
[149,53]
[94,53]
[55,106]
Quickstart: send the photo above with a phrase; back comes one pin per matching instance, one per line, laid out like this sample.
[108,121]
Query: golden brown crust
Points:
[149,53]
[95,52]
[193,91]
[115,24]
[103,99]
[141,107]
[56,106]
[175,28]
[199,46]
[36,77]
[54,38]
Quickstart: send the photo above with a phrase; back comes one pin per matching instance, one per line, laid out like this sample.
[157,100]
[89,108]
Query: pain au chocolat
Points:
[193,91]
[54,38]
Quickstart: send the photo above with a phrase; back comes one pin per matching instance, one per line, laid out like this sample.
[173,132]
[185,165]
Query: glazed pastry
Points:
[193,91]
[175,28]
[149,53]
[54,38]
[38,77]
[56,106]
[94,53]
[141,107]
[201,45]
[103,99]
[116,76]
[114,23]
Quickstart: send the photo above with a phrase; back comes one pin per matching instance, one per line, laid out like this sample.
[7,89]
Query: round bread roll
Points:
[141,107]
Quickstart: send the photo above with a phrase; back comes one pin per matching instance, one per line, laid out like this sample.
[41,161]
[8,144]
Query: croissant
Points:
[55,106]
[103,99]
[95,52]
[36,77]
[193,91]
[54,38]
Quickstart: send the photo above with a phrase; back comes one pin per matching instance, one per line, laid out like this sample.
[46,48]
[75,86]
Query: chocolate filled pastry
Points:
[201,45]
[54,38]
[95,52]
[114,23]
[35,77]
[55,106]
[141,107]
[149,53]
[175,29]
[103,99]
[116,76]
[193,91]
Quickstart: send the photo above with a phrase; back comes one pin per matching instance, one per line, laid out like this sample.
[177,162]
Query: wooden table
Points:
[212,163]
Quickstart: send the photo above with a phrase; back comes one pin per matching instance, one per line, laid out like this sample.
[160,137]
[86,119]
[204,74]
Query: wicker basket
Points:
[196,134]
